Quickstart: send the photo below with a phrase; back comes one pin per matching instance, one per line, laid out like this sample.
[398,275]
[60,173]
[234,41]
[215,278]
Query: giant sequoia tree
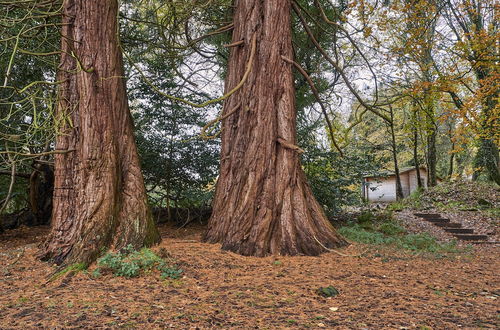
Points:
[99,194]
[263,204]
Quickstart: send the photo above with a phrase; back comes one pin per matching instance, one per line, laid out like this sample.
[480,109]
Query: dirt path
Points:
[384,289]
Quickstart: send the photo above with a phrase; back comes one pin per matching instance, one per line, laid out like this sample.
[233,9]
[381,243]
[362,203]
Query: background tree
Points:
[475,26]
[28,61]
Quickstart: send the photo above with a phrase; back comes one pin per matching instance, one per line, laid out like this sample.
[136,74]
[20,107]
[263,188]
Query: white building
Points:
[382,188]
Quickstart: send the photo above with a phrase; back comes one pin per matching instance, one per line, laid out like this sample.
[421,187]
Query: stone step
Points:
[448,224]
[459,230]
[427,215]
[465,237]
[486,242]
[437,220]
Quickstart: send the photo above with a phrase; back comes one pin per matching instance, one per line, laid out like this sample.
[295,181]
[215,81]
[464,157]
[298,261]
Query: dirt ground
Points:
[382,289]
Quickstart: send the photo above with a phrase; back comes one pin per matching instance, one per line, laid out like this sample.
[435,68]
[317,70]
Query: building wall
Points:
[405,183]
[385,189]
[413,179]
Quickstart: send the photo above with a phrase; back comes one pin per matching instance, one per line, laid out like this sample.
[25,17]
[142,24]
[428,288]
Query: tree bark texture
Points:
[41,188]
[263,204]
[99,195]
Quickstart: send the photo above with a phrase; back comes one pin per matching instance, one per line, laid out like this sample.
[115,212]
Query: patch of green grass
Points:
[359,234]
[131,263]
[390,228]
[450,205]
[494,212]
[397,206]
[388,232]
[426,243]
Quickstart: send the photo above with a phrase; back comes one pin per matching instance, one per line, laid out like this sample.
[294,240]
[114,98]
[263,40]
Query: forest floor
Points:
[382,288]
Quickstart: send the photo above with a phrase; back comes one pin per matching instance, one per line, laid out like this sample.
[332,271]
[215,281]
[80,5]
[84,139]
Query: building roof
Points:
[389,173]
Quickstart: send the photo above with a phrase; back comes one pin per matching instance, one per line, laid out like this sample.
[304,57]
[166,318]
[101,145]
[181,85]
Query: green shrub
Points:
[130,263]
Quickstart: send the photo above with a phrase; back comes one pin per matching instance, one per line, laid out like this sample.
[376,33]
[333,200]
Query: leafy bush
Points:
[335,180]
[130,263]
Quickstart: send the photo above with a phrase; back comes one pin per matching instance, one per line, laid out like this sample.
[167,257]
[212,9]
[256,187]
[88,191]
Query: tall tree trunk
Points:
[399,186]
[99,195]
[415,148]
[452,160]
[263,204]
[432,156]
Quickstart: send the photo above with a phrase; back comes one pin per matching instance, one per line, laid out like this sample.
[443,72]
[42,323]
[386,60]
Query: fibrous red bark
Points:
[99,195]
[263,204]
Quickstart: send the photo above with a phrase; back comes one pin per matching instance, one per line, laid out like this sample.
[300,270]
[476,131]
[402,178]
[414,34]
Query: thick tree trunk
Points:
[263,204]
[99,196]
[415,158]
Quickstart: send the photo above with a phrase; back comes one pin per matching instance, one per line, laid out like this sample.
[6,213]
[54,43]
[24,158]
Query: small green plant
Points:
[73,268]
[328,291]
[22,300]
[130,263]
[170,272]
[96,273]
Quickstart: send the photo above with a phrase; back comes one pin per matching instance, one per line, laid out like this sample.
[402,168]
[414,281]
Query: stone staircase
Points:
[454,228]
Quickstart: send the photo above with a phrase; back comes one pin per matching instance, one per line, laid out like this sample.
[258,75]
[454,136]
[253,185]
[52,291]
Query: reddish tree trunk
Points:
[99,195]
[263,204]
